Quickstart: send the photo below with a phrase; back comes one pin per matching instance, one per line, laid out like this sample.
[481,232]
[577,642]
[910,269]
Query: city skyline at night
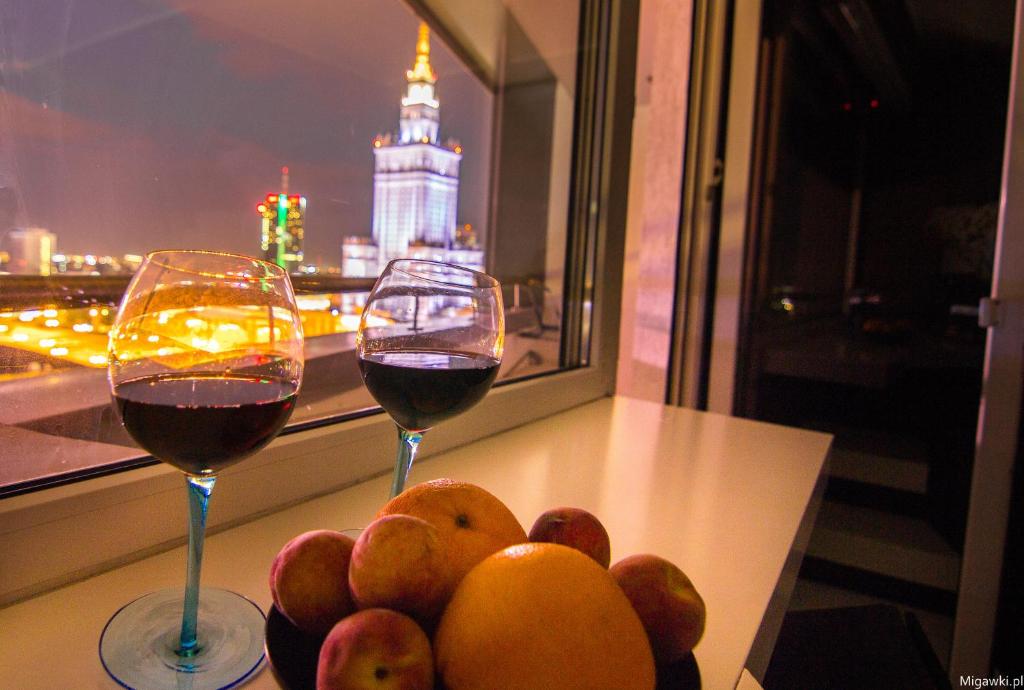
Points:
[172,120]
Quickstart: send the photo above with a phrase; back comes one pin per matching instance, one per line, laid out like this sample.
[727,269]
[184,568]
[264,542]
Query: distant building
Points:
[281,228]
[29,250]
[415,185]
[359,258]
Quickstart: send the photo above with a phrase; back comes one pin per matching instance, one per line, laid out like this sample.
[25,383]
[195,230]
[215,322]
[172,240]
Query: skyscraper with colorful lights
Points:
[415,184]
[283,216]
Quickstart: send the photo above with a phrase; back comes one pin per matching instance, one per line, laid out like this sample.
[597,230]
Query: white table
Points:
[728,500]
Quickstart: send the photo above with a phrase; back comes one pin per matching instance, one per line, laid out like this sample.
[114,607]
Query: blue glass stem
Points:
[408,444]
[199,490]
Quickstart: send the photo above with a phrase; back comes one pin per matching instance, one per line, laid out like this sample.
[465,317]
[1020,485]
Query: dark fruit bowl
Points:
[682,675]
[293,655]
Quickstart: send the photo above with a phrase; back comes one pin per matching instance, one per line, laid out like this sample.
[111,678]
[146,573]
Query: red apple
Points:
[399,563]
[309,580]
[669,606]
[576,528]
[376,648]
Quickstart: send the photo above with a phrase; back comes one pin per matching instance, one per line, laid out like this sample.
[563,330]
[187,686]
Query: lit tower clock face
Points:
[421,94]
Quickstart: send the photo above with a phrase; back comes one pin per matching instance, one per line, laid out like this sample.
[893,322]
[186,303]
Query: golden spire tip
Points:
[421,70]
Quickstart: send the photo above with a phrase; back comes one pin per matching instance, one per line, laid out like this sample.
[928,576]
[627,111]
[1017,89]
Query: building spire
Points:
[421,70]
[284,180]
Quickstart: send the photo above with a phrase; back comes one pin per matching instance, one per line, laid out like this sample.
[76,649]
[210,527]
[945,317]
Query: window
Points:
[329,138]
[560,121]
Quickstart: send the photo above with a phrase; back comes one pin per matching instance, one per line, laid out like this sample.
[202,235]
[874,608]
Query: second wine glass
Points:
[430,342]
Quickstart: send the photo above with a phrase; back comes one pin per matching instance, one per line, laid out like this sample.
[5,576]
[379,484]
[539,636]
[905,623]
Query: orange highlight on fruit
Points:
[471,523]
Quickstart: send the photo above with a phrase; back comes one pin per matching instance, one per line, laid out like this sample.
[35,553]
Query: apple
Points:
[574,527]
[671,610]
[399,563]
[376,648]
[309,580]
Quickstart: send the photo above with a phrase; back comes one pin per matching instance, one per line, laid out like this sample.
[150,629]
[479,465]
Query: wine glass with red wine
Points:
[430,342]
[205,365]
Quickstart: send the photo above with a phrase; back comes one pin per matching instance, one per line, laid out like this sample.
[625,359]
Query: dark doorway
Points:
[880,145]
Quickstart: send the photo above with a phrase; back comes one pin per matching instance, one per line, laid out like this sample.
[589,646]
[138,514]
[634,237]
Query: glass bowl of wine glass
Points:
[429,344]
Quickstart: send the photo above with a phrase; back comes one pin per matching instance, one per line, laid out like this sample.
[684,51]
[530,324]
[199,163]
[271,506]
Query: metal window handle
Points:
[988,312]
[715,183]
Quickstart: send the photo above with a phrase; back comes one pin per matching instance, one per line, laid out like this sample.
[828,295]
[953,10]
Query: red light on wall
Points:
[874,103]
[847,106]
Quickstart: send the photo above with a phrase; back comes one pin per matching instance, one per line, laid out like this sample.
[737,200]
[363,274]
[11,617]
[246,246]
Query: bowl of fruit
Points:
[446,589]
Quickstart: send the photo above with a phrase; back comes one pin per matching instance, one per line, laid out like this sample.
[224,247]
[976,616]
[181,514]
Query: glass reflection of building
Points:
[282,219]
[415,185]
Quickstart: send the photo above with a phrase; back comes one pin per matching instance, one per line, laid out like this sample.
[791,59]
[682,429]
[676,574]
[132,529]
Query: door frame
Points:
[999,413]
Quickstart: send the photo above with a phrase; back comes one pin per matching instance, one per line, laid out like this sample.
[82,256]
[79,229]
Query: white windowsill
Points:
[728,500]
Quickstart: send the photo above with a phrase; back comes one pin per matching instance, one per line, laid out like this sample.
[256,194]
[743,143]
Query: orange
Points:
[471,523]
[541,616]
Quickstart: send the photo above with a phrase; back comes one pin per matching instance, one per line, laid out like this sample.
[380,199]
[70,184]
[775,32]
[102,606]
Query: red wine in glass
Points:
[203,423]
[420,389]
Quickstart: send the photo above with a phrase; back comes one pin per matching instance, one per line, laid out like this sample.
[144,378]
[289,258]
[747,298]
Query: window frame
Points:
[57,535]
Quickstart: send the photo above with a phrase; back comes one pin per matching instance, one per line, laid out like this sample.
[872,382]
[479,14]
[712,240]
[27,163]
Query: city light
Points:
[73,341]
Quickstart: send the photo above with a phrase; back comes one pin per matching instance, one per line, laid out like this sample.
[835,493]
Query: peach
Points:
[669,606]
[309,580]
[574,527]
[376,648]
[399,563]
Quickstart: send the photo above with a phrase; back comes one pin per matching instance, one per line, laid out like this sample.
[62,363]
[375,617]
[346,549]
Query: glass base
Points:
[139,644]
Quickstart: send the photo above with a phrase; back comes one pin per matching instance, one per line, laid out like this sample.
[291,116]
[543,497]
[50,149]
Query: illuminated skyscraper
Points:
[282,216]
[415,184]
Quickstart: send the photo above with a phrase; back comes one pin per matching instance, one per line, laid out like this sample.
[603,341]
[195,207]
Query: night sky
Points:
[131,125]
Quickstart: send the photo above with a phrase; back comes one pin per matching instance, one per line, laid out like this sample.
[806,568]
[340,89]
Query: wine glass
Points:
[429,343]
[205,365]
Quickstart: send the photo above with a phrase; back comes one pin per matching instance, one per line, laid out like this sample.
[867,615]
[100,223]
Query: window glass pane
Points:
[326,137]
